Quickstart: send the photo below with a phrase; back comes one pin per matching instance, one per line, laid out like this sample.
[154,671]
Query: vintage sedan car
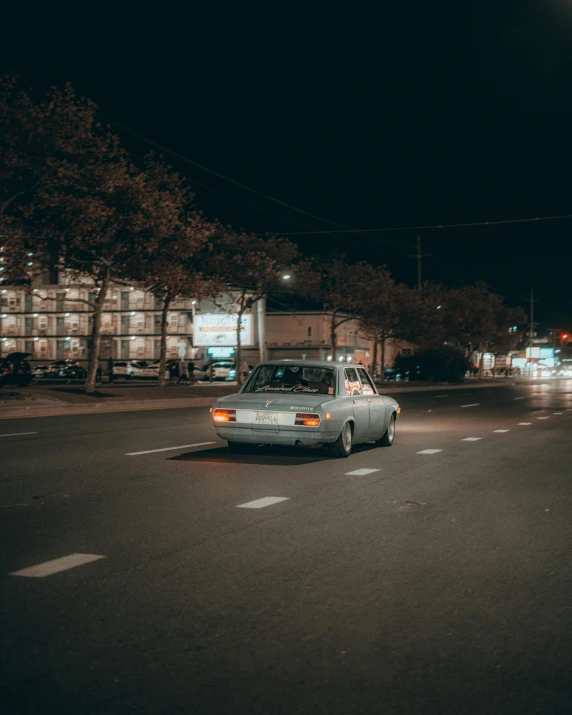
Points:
[306,403]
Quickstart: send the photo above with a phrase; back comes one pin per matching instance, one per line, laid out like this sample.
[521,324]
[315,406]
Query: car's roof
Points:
[308,363]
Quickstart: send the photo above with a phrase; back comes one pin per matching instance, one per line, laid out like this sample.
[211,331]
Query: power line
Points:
[440,225]
[185,159]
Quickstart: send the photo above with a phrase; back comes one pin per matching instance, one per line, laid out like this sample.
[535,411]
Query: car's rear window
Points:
[292,378]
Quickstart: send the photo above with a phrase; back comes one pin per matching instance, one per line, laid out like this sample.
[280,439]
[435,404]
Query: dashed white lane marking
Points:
[17,434]
[50,567]
[261,503]
[519,398]
[525,423]
[168,449]
[558,413]
[501,431]
[543,418]
[361,472]
[475,404]
[429,451]
[471,439]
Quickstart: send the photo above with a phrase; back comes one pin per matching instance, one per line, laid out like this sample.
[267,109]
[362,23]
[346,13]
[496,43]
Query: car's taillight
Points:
[224,415]
[307,420]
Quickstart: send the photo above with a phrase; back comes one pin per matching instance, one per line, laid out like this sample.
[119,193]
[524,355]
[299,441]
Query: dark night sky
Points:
[389,114]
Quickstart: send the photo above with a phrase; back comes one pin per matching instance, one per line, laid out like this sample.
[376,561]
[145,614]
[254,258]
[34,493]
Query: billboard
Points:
[212,329]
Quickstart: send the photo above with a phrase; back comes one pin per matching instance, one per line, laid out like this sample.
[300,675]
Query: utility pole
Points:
[419,260]
[530,338]
[419,256]
[531,329]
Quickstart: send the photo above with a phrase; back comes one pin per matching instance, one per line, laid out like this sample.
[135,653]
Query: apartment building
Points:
[53,321]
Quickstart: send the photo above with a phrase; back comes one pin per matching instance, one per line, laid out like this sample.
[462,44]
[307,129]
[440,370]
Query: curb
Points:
[182,402]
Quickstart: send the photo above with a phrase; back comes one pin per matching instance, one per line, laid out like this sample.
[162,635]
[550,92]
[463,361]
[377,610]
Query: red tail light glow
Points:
[224,415]
[307,420]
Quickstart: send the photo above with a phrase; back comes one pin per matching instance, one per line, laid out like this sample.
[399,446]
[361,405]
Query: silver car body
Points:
[268,417]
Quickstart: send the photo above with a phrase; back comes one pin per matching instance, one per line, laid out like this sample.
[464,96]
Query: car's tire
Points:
[239,447]
[389,436]
[128,377]
[342,447]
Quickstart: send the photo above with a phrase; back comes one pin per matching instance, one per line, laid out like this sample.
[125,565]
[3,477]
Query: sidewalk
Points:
[56,400]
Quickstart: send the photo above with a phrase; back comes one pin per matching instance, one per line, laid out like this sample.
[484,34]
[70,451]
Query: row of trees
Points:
[469,318]
[72,199]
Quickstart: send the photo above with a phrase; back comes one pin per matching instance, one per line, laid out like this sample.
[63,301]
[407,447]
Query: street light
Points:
[286,277]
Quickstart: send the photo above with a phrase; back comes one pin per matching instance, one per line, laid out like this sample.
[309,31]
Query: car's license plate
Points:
[266,418]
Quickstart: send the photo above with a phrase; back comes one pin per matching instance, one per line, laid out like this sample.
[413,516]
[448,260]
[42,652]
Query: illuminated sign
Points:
[220,352]
[219,329]
[532,352]
[546,352]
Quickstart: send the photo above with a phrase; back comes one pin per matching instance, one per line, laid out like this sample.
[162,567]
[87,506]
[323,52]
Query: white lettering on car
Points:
[286,389]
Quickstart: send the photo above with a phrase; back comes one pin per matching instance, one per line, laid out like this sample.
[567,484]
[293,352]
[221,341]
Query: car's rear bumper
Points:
[308,436]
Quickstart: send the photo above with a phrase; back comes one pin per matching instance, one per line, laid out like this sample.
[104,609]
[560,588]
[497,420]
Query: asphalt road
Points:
[435,583]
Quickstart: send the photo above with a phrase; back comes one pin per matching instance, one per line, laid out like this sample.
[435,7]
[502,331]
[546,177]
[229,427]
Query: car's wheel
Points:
[239,447]
[342,447]
[389,436]
[128,377]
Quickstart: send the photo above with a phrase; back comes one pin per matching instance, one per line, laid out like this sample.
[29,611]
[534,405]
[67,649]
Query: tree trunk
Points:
[382,341]
[374,359]
[239,347]
[95,340]
[163,347]
[333,338]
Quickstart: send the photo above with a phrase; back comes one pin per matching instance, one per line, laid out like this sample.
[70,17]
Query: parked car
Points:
[40,370]
[15,370]
[306,403]
[152,371]
[128,369]
[67,368]
[224,371]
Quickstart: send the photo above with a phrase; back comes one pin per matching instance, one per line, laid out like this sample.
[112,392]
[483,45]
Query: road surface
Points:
[430,577]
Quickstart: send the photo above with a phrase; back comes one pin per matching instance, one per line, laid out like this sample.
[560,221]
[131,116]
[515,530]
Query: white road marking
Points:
[438,396]
[525,423]
[475,404]
[558,413]
[17,434]
[361,472]
[50,567]
[261,503]
[168,449]
[429,451]
[501,431]
[519,398]
[471,439]
[543,418]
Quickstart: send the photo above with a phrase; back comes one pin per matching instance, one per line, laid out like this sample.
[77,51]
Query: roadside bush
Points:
[444,364]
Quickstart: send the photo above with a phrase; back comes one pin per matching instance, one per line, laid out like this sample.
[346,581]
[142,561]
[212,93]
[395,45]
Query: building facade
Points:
[53,320]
